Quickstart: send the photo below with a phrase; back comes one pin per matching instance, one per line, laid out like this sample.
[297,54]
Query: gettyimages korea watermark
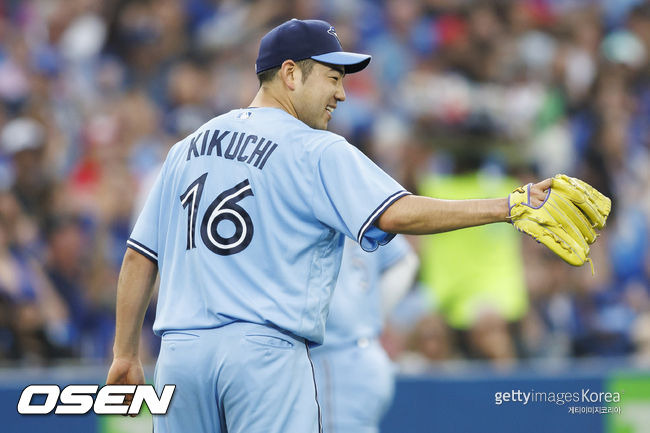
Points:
[105,400]
[584,401]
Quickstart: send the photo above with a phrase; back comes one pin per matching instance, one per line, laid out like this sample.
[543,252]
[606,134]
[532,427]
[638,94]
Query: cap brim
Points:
[352,62]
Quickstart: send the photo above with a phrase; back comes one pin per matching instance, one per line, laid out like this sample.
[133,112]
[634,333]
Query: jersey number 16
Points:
[224,207]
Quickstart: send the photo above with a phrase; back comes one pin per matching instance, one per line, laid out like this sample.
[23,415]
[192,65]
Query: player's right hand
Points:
[539,192]
[126,371]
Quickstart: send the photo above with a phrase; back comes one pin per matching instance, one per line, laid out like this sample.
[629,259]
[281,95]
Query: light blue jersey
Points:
[355,309]
[245,222]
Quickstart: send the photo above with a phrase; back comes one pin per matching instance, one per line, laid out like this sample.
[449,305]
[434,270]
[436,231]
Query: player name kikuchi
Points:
[239,147]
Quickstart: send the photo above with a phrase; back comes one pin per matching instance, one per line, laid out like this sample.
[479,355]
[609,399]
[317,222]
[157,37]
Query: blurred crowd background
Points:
[462,99]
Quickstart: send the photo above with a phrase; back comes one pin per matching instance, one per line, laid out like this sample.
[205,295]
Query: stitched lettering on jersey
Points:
[233,145]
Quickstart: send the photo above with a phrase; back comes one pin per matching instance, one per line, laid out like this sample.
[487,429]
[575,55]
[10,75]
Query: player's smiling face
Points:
[317,97]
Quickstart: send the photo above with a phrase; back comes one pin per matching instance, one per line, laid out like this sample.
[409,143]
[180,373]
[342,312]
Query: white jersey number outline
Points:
[223,208]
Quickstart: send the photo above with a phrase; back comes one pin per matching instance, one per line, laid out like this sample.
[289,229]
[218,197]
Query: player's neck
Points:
[268,98]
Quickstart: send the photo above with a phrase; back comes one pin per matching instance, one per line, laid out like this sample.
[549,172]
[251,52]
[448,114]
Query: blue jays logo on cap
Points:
[332,32]
[309,39]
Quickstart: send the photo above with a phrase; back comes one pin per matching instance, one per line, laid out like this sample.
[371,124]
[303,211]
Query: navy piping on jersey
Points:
[147,252]
[313,376]
[380,209]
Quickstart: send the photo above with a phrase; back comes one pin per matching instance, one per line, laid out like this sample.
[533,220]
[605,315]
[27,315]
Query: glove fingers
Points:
[565,222]
[594,204]
[600,201]
[556,239]
[604,203]
[564,210]
[581,200]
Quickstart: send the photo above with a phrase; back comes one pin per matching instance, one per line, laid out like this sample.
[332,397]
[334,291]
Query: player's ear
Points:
[290,74]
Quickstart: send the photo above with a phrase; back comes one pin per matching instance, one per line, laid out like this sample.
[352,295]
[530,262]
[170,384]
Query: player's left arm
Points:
[134,290]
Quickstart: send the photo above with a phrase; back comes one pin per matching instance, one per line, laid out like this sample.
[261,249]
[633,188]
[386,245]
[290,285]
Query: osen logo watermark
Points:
[80,399]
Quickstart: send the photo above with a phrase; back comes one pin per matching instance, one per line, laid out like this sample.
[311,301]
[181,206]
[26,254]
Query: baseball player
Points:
[354,375]
[245,226]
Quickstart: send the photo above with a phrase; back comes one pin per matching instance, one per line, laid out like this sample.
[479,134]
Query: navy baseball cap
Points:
[308,39]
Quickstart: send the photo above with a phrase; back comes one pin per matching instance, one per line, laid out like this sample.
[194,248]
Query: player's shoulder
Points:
[318,141]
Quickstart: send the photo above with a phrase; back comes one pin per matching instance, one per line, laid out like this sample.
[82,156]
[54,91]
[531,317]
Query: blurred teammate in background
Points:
[354,375]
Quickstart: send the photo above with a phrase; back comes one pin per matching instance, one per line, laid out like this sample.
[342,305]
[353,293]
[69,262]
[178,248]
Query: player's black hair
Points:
[267,76]
[305,66]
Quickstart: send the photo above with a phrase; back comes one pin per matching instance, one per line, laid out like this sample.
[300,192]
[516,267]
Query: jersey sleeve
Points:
[144,237]
[351,192]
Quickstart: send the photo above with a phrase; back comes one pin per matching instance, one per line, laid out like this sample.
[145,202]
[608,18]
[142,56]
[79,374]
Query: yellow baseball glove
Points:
[566,220]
